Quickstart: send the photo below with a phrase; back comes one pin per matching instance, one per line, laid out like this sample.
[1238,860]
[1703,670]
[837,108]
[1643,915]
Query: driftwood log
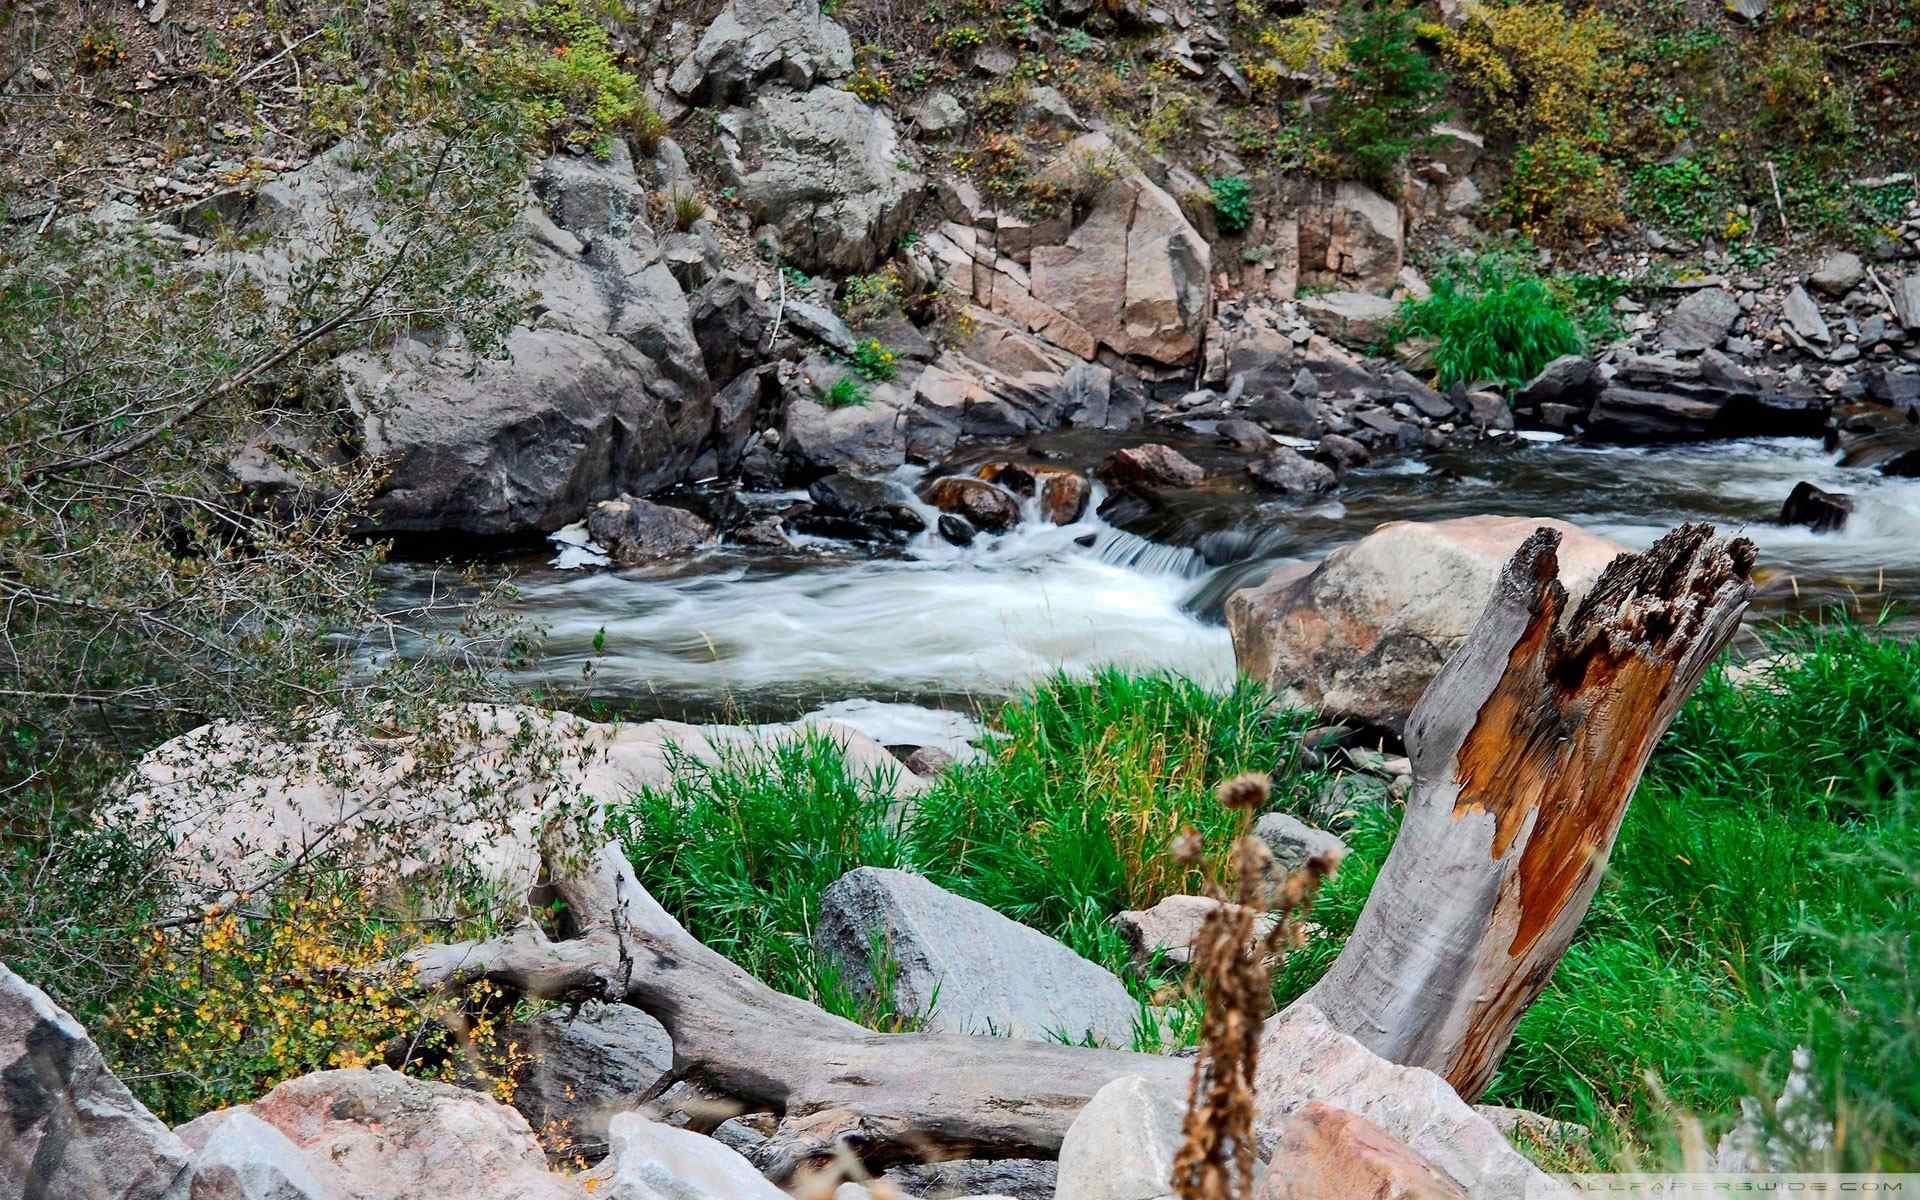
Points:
[1525,749]
[887,1098]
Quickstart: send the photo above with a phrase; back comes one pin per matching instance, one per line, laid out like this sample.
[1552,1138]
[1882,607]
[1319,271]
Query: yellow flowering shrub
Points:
[249,997]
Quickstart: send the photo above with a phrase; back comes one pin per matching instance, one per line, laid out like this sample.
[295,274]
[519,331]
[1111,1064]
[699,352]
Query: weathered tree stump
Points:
[1525,749]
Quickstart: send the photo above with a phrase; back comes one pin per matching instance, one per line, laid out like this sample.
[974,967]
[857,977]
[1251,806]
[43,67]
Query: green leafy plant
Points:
[874,361]
[844,392]
[1232,203]
[1492,319]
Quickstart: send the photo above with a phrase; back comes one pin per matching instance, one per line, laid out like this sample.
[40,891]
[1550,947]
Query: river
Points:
[903,643]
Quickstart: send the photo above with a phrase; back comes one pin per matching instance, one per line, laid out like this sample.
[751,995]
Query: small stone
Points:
[1152,464]
[1287,471]
[1837,274]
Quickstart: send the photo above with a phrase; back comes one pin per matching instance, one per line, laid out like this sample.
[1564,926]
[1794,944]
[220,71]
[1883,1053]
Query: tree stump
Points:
[1525,750]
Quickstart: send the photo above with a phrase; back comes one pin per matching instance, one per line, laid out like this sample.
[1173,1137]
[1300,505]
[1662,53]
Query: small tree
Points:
[1387,98]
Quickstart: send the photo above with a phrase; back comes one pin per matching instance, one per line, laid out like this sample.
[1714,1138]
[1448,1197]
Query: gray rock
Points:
[819,322]
[1837,274]
[937,113]
[958,1179]
[739,1135]
[1343,452]
[1122,1145]
[1803,317]
[1289,472]
[651,1161]
[753,41]
[826,171]
[1152,464]
[1906,302]
[866,439]
[636,531]
[1168,928]
[730,322]
[1303,1058]
[605,391]
[582,1069]
[1049,104]
[1293,841]
[237,1156]
[1700,322]
[968,968]
[72,1128]
[1356,318]
[1488,410]
[882,507]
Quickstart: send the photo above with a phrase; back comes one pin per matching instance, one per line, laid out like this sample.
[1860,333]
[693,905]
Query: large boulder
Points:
[865,438]
[652,1161]
[379,1135]
[1291,473]
[603,390]
[825,171]
[232,798]
[1700,322]
[237,1156]
[70,1128]
[636,532]
[756,41]
[1134,274]
[986,506]
[1122,1145]
[1356,318]
[963,966]
[1362,634]
[1154,465]
[1303,1058]
[1326,1153]
[1351,237]
[584,1067]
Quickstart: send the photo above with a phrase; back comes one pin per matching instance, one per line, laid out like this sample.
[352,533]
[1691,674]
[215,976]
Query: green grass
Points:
[1066,824]
[1764,892]
[1493,318]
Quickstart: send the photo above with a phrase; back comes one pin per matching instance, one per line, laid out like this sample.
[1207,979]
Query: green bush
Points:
[1388,95]
[1492,318]
[845,392]
[1232,203]
[874,361]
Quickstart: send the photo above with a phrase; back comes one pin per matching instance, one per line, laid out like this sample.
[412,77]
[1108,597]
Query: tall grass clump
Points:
[1492,318]
[1070,818]
[740,848]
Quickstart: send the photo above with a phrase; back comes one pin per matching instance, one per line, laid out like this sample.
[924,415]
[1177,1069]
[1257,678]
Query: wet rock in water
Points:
[1356,318]
[1062,491]
[1122,1145]
[1017,1178]
[874,504]
[1362,634]
[650,1159]
[380,1135]
[1152,464]
[1243,434]
[71,1127]
[957,529]
[1291,414]
[636,532]
[987,506]
[1293,841]
[1817,509]
[1488,410]
[1343,452]
[754,41]
[1837,274]
[1169,927]
[988,974]
[1322,1152]
[583,1068]
[1700,322]
[1569,379]
[1291,473]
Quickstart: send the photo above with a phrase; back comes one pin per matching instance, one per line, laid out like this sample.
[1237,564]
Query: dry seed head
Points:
[1187,846]
[1246,792]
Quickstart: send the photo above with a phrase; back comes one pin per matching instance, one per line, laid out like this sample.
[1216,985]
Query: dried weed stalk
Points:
[1233,958]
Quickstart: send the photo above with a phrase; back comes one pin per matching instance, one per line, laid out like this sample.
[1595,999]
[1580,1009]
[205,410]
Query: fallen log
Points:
[887,1098]
[1525,749]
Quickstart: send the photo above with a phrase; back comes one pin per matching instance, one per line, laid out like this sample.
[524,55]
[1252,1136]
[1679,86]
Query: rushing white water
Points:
[734,634]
